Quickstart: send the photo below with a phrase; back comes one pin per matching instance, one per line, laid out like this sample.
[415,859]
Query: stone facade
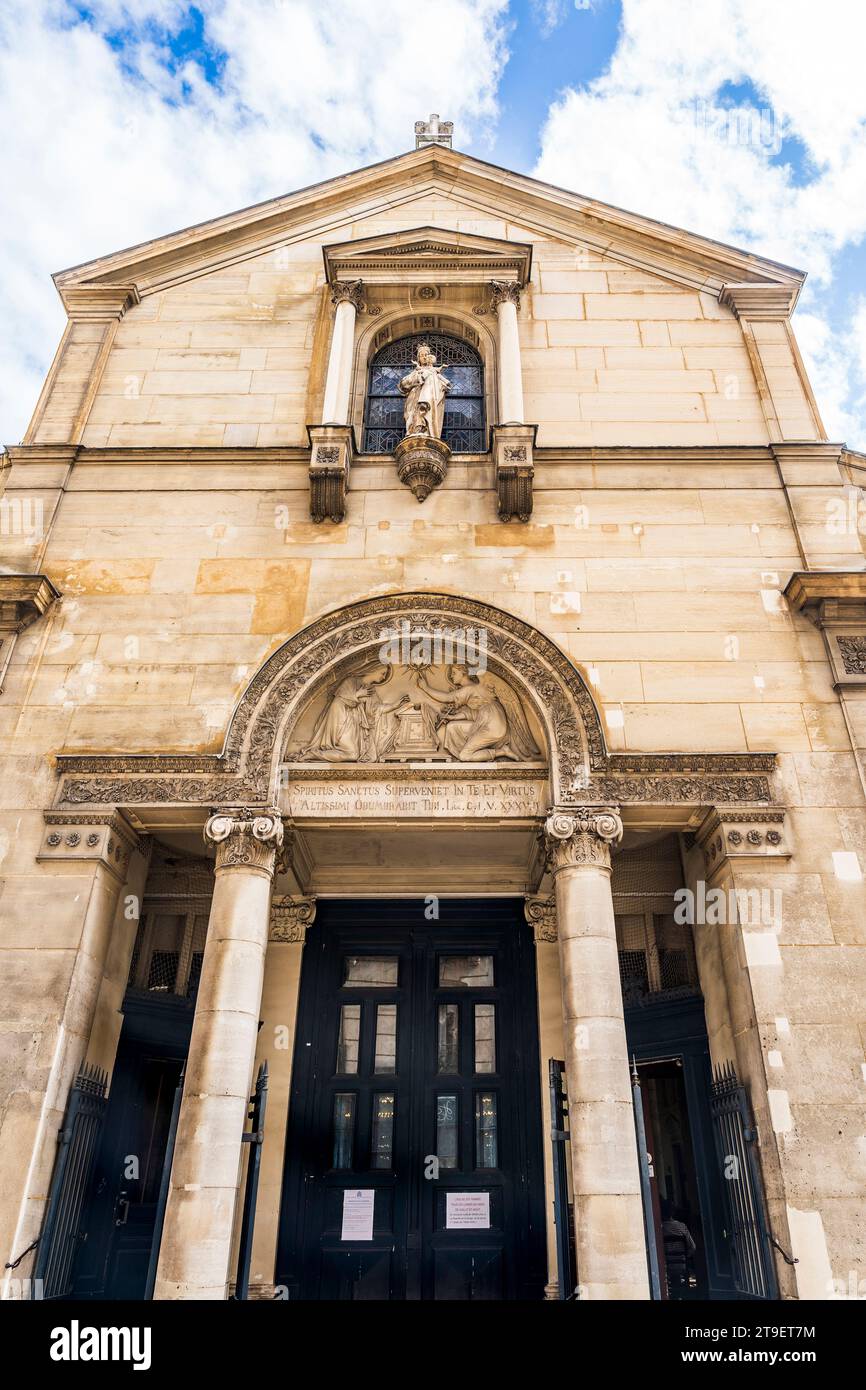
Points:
[181,604]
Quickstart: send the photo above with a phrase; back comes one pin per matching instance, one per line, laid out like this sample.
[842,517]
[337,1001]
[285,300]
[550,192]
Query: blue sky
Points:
[745,121]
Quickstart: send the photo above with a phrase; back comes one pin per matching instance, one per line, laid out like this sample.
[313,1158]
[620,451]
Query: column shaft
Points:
[611,1254]
[506,299]
[348,300]
[196,1243]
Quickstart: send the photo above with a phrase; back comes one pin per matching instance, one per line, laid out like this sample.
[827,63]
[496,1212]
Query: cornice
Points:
[24,598]
[98,302]
[808,590]
[754,300]
[673,253]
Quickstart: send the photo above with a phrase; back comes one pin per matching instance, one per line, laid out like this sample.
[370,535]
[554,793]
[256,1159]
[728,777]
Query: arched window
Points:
[463,429]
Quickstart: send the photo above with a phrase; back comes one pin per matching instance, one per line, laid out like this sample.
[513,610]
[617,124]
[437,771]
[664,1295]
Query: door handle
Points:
[122,1203]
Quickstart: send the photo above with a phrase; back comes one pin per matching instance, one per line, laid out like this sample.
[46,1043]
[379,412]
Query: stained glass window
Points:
[463,427]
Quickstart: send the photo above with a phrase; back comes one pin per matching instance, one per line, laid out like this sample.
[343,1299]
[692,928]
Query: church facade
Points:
[433,650]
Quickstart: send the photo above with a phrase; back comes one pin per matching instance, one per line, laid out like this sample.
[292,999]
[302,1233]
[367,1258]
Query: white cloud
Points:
[113,147]
[652,134]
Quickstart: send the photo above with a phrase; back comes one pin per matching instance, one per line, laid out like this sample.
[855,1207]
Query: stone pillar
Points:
[608,1214]
[505,297]
[348,298]
[196,1242]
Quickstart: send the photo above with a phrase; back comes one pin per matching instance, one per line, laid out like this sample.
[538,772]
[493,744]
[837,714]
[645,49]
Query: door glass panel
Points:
[386,1038]
[465,972]
[350,1033]
[380,972]
[446,1131]
[486,1145]
[344,1129]
[447,1052]
[382,1143]
[485,1037]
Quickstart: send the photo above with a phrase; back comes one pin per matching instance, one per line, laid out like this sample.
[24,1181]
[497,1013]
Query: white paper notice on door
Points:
[358,1213]
[468,1211]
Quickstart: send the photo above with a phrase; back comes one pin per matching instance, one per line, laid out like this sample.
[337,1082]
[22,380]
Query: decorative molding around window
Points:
[464,427]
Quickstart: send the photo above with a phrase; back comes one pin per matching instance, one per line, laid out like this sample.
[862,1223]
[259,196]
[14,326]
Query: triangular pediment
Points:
[324,211]
[421,252]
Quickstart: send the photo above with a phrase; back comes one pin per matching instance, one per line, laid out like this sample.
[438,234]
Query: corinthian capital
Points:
[351,291]
[245,838]
[504,292]
[582,835]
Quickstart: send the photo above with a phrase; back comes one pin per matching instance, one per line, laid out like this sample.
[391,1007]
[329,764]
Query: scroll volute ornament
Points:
[582,835]
[245,838]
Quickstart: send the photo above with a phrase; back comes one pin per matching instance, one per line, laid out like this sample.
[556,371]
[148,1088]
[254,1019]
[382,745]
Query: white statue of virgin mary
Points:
[425,389]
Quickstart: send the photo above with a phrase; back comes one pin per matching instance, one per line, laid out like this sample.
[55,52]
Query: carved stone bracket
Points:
[23,599]
[835,601]
[581,835]
[245,838]
[331,453]
[290,918]
[106,838]
[422,463]
[540,913]
[745,832]
[513,456]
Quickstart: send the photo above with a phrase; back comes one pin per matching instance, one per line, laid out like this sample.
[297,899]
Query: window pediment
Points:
[416,255]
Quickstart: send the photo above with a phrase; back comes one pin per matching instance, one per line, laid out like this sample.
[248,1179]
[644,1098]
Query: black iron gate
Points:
[61,1233]
[736,1136]
[563,1213]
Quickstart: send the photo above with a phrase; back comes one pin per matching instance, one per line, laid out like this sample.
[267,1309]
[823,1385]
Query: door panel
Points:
[415,1079]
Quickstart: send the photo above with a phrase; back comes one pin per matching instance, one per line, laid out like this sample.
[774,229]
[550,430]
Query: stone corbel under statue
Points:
[332,448]
[512,452]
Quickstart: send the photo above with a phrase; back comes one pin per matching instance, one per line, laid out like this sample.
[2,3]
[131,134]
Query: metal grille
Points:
[735,1134]
[169,945]
[656,953]
[463,427]
[61,1234]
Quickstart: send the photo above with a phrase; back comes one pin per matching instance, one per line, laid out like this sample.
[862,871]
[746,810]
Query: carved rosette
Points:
[290,918]
[244,838]
[743,833]
[107,839]
[582,836]
[422,463]
[540,913]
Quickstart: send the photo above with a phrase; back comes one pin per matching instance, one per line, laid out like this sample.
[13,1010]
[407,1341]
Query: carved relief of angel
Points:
[481,720]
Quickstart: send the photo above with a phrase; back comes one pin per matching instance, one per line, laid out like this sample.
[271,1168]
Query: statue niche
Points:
[400,714]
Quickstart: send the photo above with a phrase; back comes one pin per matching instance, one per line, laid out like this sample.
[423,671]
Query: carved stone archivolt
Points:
[581,835]
[245,838]
[290,918]
[248,771]
[540,913]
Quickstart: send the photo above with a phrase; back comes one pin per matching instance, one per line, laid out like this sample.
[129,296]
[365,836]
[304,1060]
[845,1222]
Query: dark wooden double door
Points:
[414,1165]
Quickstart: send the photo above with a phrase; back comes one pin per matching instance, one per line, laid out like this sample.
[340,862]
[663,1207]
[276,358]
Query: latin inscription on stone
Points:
[396,799]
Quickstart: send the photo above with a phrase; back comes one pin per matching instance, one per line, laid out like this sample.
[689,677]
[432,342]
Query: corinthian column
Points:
[196,1243]
[348,298]
[608,1215]
[505,297]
